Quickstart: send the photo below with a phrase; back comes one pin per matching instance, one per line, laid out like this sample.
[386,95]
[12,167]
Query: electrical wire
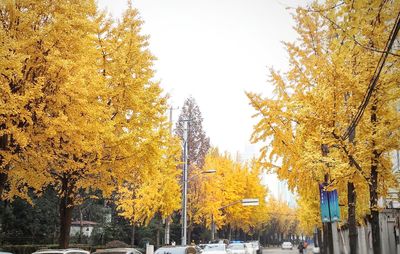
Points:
[374,80]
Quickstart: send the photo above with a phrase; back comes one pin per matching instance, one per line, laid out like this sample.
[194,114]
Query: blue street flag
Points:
[334,205]
[324,204]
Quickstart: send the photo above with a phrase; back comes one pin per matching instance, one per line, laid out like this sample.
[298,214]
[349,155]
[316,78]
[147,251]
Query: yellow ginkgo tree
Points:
[303,126]
[80,111]
[220,195]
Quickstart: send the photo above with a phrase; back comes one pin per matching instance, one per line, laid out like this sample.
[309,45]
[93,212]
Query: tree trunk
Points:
[373,187]
[65,222]
[133,236]
[189,234]
[66,208]
[327,236]
[158,236]
[376,241]
[319,237]
[80,225]
[351,200]
[167,227]
[3,175]
[3,181]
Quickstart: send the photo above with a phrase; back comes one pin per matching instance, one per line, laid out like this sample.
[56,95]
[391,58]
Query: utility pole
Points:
[168,219]
[185,181]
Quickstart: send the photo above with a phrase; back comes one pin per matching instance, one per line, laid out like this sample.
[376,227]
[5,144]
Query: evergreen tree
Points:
[198,143]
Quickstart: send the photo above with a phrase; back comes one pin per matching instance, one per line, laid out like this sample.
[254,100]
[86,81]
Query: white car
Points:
[176,250]
[249,248]
[118,251]
[287,246]
[62,251]
[236,248]
[256,246]
[215,249]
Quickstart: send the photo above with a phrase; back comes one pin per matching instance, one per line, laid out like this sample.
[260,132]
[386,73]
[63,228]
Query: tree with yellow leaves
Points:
[282,223]
[66,125]
[221,194]
[315,101]
[156,191]
[79,109]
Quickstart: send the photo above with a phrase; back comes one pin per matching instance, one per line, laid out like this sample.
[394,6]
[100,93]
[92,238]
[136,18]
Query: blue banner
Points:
[329,204]
[334,205]
[324,204]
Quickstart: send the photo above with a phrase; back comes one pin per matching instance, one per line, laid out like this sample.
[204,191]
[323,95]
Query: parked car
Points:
[61,251]
[220,241]
[177,250]
[249,248]
[118,251]
[236,248]
[287,246]
[256,246]
[215,249]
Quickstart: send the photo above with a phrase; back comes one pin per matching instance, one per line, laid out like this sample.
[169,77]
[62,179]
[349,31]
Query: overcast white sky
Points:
[214,51]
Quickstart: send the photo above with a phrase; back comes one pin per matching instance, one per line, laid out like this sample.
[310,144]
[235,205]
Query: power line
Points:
[374,79]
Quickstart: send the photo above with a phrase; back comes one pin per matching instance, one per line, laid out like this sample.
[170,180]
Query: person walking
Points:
[301,247]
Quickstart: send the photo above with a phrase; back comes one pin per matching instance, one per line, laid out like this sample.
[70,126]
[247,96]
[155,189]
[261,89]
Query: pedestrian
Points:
[301,247]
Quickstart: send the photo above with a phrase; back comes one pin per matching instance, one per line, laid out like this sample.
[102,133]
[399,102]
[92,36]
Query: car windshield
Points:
[236,247]
[214,247]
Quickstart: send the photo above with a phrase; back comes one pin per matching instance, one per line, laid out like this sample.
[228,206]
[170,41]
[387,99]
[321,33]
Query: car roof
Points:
[117,249]
[175,249]
[61,251]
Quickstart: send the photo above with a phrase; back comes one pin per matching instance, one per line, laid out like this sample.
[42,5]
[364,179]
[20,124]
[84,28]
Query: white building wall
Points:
[86,230]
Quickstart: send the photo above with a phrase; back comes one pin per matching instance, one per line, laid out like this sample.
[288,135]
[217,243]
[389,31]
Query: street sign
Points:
[250,202]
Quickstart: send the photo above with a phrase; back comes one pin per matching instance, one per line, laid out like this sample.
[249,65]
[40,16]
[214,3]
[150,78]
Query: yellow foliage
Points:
[79,109]
[330,69]
[282,218]
[219,195]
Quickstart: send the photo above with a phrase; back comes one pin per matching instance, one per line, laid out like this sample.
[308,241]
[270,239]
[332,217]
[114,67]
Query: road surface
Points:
[280,251]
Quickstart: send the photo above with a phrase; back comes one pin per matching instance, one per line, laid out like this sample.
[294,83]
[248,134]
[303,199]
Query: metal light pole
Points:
[184,180]
[244,202]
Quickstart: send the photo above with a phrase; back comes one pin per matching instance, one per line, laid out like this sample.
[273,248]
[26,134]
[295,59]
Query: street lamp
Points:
[244,202]
[184,196]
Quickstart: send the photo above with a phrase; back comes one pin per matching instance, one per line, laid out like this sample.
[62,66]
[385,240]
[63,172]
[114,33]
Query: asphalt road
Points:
[280,251]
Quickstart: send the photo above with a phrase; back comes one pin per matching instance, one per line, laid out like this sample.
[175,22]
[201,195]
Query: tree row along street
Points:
[90,152]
